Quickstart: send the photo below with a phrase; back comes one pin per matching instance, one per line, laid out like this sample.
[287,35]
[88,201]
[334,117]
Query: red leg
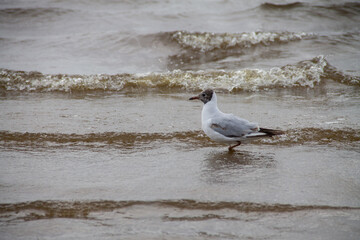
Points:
[231,147]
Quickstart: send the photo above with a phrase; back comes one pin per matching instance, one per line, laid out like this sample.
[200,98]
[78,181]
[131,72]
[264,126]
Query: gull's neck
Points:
[210,109]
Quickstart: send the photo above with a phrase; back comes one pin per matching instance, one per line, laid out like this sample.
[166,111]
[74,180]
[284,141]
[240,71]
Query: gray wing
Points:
[232,126]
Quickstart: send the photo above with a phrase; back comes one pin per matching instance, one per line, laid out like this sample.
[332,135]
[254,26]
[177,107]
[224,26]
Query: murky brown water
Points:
[102,142]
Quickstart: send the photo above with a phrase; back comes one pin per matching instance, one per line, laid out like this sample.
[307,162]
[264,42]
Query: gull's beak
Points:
[193,98]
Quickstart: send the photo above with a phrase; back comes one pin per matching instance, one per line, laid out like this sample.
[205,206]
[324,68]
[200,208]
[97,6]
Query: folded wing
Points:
[232,126]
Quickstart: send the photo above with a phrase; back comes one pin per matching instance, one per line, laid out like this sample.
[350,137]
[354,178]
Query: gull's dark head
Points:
[204,96]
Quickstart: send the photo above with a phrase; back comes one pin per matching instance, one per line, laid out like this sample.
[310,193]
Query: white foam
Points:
[209,41]
[303,74]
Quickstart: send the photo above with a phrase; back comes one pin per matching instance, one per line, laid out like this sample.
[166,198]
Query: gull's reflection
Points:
[231,166]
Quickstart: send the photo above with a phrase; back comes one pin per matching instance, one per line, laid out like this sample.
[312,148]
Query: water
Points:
[98,138]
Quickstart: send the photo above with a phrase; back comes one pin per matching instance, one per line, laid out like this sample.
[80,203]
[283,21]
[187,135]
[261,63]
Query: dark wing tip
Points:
[271,132]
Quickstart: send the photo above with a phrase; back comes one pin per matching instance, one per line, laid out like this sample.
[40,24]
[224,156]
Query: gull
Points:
[228,128]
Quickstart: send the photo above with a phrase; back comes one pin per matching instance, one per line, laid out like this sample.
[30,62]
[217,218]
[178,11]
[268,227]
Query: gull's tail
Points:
[271,132]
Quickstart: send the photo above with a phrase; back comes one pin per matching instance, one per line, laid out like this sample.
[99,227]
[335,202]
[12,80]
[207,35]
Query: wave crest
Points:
[346,9]
[16,15]
[311,136]
[36,210]
[206,41]
[308,73]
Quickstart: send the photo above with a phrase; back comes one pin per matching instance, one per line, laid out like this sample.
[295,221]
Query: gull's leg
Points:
[231,147]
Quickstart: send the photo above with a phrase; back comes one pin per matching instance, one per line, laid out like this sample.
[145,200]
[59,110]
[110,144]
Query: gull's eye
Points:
[203,94]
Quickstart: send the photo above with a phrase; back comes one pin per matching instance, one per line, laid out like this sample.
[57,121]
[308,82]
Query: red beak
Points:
[193,98]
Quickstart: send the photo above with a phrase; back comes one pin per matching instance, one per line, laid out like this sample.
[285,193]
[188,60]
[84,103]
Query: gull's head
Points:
[204,96]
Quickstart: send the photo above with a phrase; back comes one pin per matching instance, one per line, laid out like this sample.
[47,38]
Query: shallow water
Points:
[98,138]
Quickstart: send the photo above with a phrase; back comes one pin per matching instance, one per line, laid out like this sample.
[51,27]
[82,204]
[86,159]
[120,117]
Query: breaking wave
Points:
[128,140]
[206,47]
[206,42]
[307,73]
[28,211]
